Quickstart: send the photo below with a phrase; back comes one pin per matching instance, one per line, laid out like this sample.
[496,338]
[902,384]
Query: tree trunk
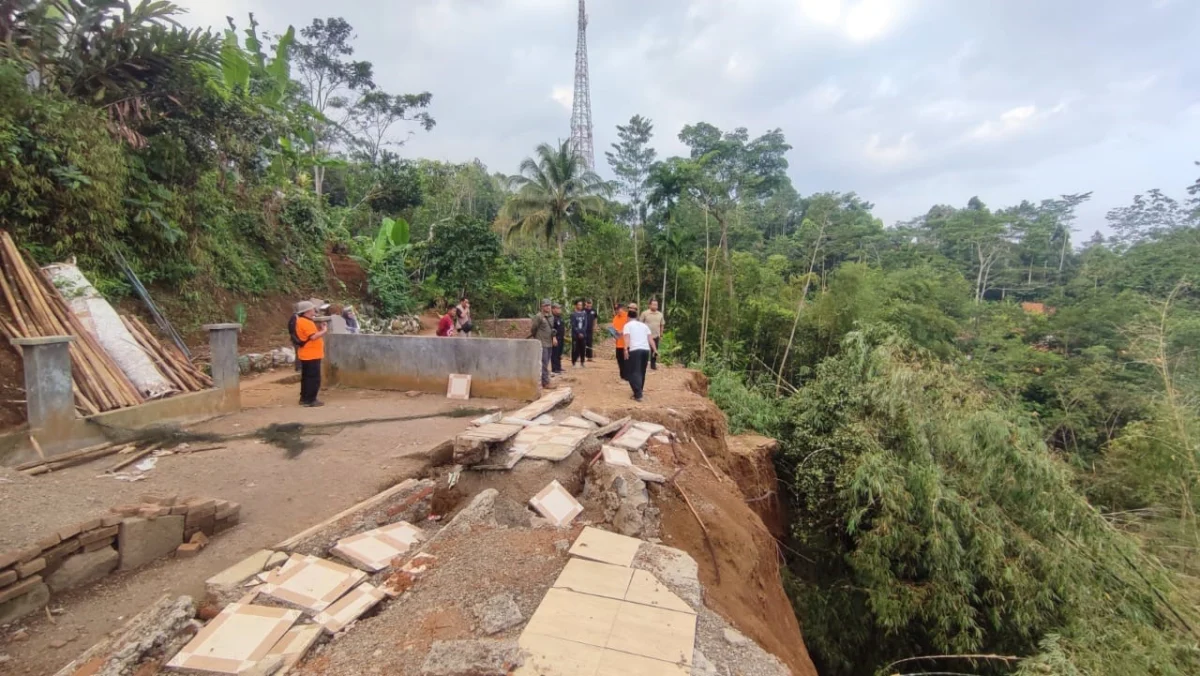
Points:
[562,267]
[812,264]
[707,287]
[637,269]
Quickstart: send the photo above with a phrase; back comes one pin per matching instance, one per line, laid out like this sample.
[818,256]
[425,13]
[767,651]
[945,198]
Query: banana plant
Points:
[393,236]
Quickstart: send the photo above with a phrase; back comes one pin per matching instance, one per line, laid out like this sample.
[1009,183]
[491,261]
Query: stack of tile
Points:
[604,618]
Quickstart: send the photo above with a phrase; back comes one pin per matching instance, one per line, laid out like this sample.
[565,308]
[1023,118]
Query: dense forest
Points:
[989,428]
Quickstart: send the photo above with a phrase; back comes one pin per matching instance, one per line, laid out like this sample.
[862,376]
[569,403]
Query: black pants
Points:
[635,369]
[591,356]
[654,354]
[310,380]
[621,363]
[556,357]
[578,349]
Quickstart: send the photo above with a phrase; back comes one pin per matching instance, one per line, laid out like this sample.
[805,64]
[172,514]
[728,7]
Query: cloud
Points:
[907,102]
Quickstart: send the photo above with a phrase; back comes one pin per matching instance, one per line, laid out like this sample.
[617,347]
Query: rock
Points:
[57,643]
[481,511]
[498,613]
[472,658]
[701,666]
[82,569]
[735,637]
[199,539]
[158,630]
[276,560]
[34,598]
[561,546]
[624,500]
[141,541]
[511,513]
[674,568]
[20,635]
[226,586]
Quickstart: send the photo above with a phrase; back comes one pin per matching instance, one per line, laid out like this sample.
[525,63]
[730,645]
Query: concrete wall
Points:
[499,368]
[83,432]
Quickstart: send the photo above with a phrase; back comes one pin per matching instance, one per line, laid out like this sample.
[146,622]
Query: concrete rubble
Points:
[498,613]
[472,658]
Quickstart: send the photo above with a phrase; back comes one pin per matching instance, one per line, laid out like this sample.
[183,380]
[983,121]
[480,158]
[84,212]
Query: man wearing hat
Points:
[542,330]
[310,350]
[560,335]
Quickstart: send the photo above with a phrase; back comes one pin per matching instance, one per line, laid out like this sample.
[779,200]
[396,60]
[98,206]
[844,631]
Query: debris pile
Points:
[181,372]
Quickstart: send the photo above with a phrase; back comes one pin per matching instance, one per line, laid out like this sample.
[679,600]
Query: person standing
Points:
[560,334]
[309,353]
[638,349]
[462,322]
[543,332]
[657,323]
[593,321]
[620,316]
[580,336]
[350,318]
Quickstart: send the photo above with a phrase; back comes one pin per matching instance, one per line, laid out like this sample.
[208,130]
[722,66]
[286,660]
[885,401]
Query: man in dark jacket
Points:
[542,331]
[580,336]
[593,321]
[560,334]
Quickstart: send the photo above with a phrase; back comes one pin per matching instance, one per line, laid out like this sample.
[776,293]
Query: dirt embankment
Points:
[740,572]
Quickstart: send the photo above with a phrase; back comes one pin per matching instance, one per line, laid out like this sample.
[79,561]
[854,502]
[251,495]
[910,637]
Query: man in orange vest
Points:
[310,352]
[620,316]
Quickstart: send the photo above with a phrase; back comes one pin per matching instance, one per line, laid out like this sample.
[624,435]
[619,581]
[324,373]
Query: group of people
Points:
[637,339]
[457,320]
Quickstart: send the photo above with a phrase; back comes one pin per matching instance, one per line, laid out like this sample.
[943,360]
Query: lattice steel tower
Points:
[581,108]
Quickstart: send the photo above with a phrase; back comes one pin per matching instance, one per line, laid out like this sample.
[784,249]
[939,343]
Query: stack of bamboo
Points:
[182,373]
[38,309]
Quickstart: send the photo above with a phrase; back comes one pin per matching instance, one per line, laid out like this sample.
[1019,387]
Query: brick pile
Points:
[26,572]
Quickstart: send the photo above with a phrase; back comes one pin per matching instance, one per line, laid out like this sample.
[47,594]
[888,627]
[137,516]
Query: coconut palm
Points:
[551,196]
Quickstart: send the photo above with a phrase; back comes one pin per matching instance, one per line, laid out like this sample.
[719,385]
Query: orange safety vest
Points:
[315,347]
[619,325]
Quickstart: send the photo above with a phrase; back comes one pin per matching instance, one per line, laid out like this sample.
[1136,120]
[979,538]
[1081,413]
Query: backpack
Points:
[296,342]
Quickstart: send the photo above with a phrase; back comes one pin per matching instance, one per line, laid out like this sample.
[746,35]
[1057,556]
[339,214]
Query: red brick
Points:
[222,525]
[34,566]
[68,532]
[30,553]
[201,504]
[229,510]
[90,524]
[202,516]
[160,500]
[12,592]
[126,510]
[10,557]
[179,510]
[409,502]
[49,541]
[97,535]
[187,550]
[153,511]
[110,520]
[99,544]
[63,549]
[199,538]
[8,577]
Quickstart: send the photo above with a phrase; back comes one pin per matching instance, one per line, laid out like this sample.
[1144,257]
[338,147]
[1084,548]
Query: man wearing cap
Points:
[542,330]
[560,335]
[309,353]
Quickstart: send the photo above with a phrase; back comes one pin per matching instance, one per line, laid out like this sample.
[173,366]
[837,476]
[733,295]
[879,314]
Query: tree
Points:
[1151,216]
[631,160]
[332,81]
[463,253]
[376,112]
[553,194]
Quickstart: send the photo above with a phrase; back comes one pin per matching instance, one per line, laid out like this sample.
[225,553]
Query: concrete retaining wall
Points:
[499,368]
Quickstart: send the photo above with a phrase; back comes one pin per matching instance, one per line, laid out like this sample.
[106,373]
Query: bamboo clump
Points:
[39,310]
[176,368]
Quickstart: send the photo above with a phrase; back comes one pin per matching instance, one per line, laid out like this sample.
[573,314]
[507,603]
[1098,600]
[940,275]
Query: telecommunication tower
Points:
[581,108]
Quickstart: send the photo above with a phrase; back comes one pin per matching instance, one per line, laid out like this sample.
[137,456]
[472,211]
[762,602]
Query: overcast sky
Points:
[910,103]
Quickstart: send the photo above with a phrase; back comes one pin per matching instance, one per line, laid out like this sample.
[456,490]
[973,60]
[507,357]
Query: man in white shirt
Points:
[639,345]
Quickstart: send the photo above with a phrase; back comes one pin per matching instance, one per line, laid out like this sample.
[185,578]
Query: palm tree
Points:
[551,196]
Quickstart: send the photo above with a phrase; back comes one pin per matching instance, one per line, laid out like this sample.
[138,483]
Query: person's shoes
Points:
[314,404]
[653,368]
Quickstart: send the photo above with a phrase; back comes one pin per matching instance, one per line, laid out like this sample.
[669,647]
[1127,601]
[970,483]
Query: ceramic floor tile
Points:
[550,451]
[578,423]
[606,547]
[549,656]
[652,428]
[653,632]
[349,608]
[311,582]
[235,639]
[556,504]
[598,579]
[645,589]
[375,549]
[616,456]
[459,386]
[614,663]
[295,644]
[634,439]
[575,617]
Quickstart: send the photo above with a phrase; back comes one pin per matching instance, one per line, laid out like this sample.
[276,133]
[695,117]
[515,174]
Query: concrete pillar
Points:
[222,342]
[49,399]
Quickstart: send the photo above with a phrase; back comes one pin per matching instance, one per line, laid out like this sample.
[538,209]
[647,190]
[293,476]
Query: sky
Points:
[908,103]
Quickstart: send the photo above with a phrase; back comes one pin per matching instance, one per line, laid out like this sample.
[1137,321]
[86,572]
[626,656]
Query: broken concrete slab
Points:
[501,461]
[236,639]
[27,596]
[226,585]
[294,645]
[605,547]
[158,630]
[579,423]
[487,419]
[141,541]
[374,550]
[477,658]
[311,583]
[548,402]
[613,427]
[556,504]
[646,589]
[349,608]
[83,569]
[652,428]
[475,445]
[600,420]
[616,456]
[633,439]
[498,613]
[557,443]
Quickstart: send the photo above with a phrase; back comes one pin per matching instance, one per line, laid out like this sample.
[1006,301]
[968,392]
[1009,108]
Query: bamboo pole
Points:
[181,362]
[183,371]
[166,370]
